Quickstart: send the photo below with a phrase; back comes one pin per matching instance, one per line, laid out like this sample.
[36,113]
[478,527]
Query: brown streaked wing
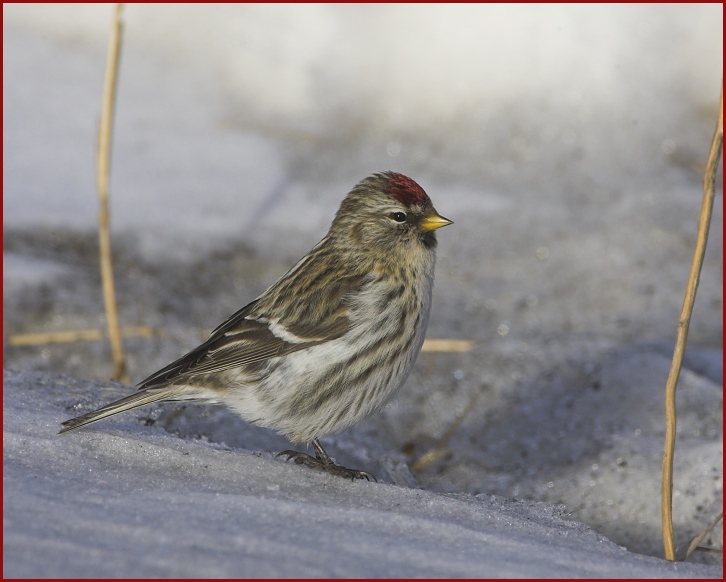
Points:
[238,342]
[317,314]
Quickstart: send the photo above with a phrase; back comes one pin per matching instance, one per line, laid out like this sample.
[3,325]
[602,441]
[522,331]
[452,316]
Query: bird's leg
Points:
[322,461]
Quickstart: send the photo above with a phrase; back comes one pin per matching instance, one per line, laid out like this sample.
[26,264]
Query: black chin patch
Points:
[428,239]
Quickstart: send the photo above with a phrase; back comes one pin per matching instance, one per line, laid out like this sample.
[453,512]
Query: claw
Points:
[329,467]
[290,454]
[300,459]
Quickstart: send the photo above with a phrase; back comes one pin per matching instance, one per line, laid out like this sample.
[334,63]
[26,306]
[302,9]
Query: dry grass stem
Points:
[447,345]
[685,550]
[442,450]
[709,189]
[78,335]
[429,457]
[104,161]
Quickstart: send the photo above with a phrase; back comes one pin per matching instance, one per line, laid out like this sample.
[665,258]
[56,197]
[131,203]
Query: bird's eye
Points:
[399,216]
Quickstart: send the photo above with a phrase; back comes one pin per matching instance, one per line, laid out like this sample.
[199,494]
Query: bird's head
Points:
[388,210]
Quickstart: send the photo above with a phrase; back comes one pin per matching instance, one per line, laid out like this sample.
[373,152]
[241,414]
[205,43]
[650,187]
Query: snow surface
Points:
[135,501]
[567,145]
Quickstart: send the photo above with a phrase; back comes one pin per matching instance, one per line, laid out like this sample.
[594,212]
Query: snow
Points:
[565,142]
[130,500]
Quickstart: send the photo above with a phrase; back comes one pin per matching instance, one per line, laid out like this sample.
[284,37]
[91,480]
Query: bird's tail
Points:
[134,401]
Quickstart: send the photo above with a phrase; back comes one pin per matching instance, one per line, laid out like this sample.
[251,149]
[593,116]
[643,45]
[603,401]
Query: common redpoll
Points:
[332,340]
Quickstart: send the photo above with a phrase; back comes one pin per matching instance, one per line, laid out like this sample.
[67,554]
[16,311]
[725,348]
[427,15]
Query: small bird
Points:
[328,343]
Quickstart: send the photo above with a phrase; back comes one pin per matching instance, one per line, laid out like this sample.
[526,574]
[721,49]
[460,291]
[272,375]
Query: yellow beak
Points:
[433,221]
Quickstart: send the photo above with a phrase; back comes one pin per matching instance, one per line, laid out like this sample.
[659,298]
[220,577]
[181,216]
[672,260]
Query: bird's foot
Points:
[326,465]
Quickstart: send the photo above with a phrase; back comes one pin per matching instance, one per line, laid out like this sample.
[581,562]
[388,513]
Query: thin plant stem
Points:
[104,162]
[709,189]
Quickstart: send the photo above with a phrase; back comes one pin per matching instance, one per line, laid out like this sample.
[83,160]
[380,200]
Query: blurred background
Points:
[567,144]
